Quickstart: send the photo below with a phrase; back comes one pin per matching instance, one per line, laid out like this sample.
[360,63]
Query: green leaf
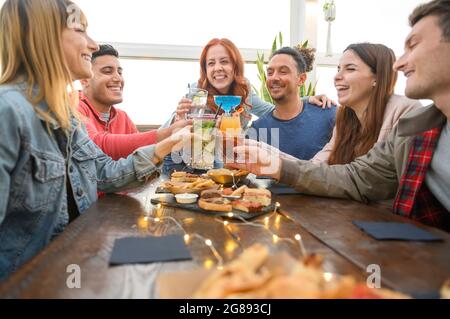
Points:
[274,46]
[266,95]
[302,91]
[310,89]
[280,37]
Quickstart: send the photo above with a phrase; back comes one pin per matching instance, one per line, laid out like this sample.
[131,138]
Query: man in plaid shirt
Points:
[413,164]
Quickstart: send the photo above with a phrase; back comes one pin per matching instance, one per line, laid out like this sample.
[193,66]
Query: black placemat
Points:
[396,231]
[135,250]
[281,189]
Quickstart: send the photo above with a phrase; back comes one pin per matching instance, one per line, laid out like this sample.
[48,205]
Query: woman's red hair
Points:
[238,87]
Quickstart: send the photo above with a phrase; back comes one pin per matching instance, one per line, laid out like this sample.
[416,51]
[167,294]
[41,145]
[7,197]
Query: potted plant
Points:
[309,56]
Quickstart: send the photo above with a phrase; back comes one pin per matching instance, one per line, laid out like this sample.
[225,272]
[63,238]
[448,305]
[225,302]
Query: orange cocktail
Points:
[230,127]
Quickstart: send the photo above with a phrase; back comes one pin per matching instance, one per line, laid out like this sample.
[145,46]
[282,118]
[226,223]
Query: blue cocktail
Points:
[227,102]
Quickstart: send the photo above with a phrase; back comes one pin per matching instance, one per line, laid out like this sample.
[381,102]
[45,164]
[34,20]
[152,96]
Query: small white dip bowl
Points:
[186,198]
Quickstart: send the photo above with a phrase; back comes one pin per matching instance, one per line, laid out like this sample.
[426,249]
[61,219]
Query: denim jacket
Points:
[34,175]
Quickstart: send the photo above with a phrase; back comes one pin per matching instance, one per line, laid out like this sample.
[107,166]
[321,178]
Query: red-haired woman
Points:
[222,73]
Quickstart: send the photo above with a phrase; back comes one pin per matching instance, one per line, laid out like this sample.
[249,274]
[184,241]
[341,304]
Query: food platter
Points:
[206,195]
[170,201]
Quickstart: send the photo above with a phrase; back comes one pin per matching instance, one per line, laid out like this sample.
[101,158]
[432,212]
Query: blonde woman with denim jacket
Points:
[49,168]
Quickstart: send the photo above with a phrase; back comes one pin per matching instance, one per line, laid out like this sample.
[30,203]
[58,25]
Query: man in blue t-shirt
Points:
[294,126]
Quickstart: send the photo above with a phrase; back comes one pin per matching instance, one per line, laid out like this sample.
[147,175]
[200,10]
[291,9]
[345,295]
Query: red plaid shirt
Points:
[414,199]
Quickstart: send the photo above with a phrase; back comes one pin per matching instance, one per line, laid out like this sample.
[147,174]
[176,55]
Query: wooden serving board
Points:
[237,214]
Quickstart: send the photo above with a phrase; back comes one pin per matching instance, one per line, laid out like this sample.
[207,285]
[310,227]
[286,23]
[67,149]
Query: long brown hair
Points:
[354,138]
[31,50]
[238,87]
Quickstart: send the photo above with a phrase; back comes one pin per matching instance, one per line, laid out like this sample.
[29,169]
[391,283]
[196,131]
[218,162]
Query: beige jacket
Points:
[371,177]
[396,107]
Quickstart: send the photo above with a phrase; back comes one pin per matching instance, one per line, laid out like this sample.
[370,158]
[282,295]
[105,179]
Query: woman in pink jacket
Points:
[369,108]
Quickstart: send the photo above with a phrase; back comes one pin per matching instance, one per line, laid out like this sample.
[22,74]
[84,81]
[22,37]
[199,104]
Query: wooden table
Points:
[325,225]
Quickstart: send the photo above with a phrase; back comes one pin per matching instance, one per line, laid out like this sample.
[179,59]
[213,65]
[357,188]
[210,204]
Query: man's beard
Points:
[279,99]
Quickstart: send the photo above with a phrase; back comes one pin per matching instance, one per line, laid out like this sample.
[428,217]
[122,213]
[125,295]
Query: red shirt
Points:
[119,136]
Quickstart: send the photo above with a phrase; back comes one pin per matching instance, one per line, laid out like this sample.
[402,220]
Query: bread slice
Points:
[215,204]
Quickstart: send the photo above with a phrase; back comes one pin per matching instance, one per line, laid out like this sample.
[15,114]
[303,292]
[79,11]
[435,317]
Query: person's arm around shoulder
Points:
[258,106]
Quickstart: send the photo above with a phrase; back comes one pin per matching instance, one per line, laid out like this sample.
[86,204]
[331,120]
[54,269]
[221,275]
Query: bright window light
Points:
[249,23]
[153,88]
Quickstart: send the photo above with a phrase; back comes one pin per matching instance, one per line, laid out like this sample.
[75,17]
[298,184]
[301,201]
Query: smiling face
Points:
[78,48]
[426,62]
[219,68]
[283,78]
[106,87]
[354,81]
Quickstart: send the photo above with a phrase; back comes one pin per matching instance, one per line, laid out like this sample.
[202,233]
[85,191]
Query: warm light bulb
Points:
[208,263]
[145,218]
[327,276]
[230,215]
[275,238]
[266,220]
[208,242]
[298,237]
[157,219]
[186,237]
[225,223]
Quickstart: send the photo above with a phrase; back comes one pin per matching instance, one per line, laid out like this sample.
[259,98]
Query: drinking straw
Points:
[217,112]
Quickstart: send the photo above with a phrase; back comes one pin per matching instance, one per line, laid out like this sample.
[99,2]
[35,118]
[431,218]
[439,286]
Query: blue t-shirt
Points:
[302,136]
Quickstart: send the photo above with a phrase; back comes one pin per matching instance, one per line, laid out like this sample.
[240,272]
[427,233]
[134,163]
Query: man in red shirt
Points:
[111,128]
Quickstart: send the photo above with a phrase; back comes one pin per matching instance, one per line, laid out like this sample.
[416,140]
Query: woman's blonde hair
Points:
[31,50]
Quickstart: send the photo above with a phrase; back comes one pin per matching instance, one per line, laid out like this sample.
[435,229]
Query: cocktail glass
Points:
[199,98]
[230,125]
[203,147]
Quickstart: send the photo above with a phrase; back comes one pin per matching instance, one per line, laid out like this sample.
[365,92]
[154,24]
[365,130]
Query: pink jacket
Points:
[397,106]
[119,136]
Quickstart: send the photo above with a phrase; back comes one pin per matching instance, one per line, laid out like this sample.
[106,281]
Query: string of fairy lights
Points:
[295,240]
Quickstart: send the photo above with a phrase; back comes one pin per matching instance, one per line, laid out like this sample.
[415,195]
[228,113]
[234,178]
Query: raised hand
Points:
[183,108]
[258,158]
[322,100]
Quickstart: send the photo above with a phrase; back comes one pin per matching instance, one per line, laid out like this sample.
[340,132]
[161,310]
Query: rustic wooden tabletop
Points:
[418,268]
